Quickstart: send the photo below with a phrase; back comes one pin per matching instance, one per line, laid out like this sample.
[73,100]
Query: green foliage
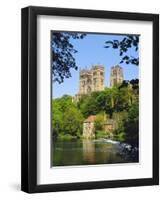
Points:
[88,104]
[66,117]
[121,137]
[72,121]
[120,118]
[115,99]
[63,54]
[57,118]
[123,46]
[119,104]
[63,136]
[99,121]
[131,125]
[101,134]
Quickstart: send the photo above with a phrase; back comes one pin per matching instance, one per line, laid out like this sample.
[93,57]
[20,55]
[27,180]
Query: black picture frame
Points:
[29,99]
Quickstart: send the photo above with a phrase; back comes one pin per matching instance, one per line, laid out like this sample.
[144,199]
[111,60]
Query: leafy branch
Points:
[63,55]
[127,43]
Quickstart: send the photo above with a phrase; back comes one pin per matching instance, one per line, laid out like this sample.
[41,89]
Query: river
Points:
[89,152]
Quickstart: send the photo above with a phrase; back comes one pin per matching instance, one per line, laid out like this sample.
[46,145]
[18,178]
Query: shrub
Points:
[64,136]
[101,134]
[121,137]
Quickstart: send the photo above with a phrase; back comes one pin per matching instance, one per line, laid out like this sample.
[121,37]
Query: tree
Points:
[63,54]
[88,104]
[72,121]
[135,85]
[99,121]
[104,101]
[128,42]
[65,102]
[120,118]
[119,103]
[57,118]
[131,126]
[66,117]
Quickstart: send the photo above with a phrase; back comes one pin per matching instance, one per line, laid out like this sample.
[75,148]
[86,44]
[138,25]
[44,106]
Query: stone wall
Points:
[88,130]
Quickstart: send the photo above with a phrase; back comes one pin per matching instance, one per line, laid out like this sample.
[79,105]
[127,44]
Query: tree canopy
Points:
[66,117]
[128,42]
[119,103]
[63,54]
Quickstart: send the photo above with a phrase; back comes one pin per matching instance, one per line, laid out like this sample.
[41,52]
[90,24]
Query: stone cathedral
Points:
[91,80]
[116,75]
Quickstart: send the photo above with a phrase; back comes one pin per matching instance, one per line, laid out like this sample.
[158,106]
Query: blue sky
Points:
[91,51]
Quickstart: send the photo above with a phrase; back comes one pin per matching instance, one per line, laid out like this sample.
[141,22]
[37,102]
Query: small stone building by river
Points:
[89,127]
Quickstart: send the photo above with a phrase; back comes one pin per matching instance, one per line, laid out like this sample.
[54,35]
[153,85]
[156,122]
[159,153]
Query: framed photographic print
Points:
[90,99]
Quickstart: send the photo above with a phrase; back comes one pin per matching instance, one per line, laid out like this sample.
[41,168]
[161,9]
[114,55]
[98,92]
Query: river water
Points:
[89,152]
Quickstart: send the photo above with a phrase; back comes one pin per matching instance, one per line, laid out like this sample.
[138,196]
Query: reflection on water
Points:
[87,152]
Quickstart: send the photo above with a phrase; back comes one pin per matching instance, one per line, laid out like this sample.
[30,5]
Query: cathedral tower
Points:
[91,80]
[116,75]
